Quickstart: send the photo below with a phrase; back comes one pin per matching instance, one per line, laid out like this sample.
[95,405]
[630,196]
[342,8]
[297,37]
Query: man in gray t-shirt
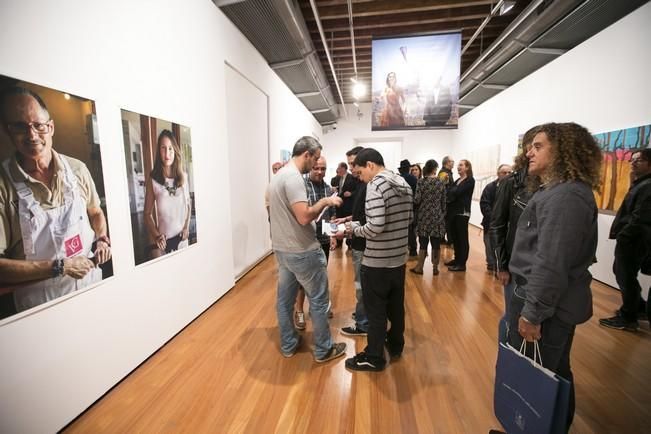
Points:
[300,258]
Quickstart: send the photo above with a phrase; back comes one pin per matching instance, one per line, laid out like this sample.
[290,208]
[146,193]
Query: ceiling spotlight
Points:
[506,7]
[66,96]
[359,90]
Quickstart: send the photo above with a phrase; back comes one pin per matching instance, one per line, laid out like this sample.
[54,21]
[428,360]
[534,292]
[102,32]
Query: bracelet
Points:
[103,238]
[57,268]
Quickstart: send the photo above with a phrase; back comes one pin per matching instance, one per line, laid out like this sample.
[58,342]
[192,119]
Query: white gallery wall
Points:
[602,84]
[162,58]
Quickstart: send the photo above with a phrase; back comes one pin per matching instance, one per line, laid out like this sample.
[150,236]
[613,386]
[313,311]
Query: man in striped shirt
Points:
[389,211]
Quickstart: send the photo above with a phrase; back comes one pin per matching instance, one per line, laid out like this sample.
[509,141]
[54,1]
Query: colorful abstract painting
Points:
[618,147]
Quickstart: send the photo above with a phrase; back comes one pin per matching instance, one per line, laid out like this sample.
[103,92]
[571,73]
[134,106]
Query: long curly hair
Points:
[576,156]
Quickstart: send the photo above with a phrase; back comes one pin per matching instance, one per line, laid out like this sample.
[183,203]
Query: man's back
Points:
[288,235]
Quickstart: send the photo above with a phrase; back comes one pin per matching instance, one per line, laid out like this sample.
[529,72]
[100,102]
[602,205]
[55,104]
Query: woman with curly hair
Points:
[555,243]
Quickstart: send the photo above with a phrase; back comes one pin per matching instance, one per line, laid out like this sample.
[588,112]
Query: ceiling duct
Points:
[277,30]
[543,31]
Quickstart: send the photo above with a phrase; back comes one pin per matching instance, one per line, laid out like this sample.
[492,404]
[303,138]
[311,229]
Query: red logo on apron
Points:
[73,246]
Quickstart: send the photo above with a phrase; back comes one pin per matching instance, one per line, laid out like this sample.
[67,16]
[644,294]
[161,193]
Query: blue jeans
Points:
[503,330]
[307,269]
[361,320]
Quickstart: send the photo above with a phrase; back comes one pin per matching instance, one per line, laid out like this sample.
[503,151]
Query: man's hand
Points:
[530,332]
[504,277]
[340,220]
[334,201]
[77,266]
[102,251]
[333,243]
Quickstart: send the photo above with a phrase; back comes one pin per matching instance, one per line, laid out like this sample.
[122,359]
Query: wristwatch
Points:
[57,268]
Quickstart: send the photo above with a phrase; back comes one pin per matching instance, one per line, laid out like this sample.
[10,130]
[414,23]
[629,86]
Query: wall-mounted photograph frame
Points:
[160,178]
[54,235]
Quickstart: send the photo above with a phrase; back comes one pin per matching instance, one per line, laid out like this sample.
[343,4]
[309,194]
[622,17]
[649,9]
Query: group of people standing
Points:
[541,221]
[442,205]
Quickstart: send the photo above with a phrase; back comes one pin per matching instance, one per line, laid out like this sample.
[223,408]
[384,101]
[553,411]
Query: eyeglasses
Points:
[23,127]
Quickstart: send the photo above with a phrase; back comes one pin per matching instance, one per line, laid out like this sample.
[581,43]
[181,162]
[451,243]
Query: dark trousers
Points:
[326,250]
[460,239]
[448,228]
[626,268]
[384,299]
[411,240]
[555,344]
[423,241]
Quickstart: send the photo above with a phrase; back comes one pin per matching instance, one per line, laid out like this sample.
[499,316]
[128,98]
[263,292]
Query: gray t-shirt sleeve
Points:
[295,190]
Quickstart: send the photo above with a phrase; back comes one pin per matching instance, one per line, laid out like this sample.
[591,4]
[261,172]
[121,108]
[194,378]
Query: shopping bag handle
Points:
[537,355]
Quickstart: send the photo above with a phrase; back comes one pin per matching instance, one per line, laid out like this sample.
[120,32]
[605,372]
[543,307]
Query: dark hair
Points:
[354,151]
[177,166]
[646,153]
[343,165]
[446,160]
[369,155]
[430,167]
[18,90]
[306,143]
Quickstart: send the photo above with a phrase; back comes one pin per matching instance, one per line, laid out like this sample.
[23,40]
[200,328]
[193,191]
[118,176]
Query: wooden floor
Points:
[224,373]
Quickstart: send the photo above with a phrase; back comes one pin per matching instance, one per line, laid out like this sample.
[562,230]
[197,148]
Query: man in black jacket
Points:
[404,171]
[512,197]
[632,230]
[486,205]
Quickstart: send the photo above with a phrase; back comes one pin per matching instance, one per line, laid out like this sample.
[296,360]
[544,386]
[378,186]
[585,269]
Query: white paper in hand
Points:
[318,219]
[330,229]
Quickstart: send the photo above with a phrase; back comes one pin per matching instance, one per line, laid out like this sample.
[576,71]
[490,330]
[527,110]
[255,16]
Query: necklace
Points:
[171,189]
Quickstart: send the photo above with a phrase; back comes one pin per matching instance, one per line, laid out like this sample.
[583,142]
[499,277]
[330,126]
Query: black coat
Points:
[460,196]
[351,184]
[511,198]
[486,203]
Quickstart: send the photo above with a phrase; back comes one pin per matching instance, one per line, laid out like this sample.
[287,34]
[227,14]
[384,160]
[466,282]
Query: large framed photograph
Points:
[54,235]
[161,185]
[415,82]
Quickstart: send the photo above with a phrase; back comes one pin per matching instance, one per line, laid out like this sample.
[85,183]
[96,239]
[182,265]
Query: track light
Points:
[506,7]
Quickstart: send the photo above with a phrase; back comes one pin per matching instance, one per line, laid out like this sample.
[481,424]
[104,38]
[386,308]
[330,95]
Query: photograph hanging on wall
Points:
[415,82]
[158,156]
[617,148]
[51,196]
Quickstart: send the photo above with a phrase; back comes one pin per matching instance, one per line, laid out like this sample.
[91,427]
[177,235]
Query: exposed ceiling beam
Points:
[393,7]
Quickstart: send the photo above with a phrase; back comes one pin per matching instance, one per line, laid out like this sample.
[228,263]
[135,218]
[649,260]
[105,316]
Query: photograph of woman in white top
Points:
[167,199]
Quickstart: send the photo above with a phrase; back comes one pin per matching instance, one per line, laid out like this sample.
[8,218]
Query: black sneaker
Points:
[449,263]
[361,362]
[641,316]
[619,323]
[337,350]
[353,331]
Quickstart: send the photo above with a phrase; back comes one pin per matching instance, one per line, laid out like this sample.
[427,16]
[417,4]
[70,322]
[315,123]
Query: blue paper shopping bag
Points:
[528,397]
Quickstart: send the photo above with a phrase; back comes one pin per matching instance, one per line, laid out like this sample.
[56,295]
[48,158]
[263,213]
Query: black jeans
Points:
[411,239]
[626,268]
[460,239]
[384,299]
[423,241]
[555,344]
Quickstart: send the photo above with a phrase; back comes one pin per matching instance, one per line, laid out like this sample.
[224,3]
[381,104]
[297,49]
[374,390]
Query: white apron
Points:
[57,233]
